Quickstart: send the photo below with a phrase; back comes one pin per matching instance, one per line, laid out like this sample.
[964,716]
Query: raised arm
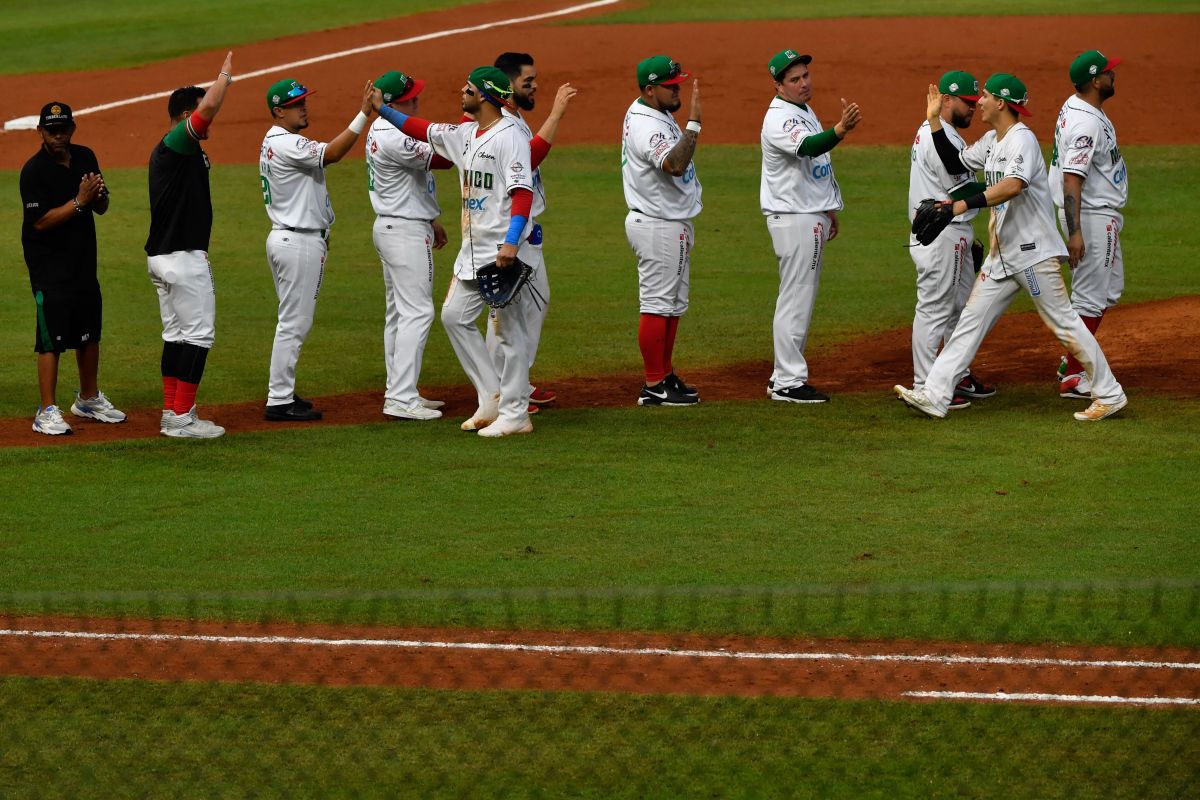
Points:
[336,150]
[210,104]
[677,160]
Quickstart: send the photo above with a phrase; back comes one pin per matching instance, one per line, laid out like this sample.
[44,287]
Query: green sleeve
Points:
[180,141]
[968,190]
[819,143]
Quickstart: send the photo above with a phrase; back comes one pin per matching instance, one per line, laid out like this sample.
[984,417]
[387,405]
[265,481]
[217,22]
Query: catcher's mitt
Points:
[977,255]
[931,219]
[499,286]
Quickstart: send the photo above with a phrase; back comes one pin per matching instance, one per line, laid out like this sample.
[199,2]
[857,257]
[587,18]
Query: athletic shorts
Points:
[66,319]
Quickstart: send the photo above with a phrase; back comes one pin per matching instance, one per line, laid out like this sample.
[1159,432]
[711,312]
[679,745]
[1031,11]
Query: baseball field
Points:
[744,598]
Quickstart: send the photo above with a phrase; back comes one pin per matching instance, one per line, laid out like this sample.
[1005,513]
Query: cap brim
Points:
[417,87]
[56,124]
[680,78]
[295,100]
[974,98]
[1112,62]
[1021,110]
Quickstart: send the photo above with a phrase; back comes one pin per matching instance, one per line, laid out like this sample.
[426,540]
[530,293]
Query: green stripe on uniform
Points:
[43,328]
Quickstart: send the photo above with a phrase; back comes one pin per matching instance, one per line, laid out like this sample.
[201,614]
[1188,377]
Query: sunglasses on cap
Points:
[296,91]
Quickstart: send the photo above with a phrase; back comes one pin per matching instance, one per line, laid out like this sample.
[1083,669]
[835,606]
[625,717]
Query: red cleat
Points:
[533,409]
[541,397]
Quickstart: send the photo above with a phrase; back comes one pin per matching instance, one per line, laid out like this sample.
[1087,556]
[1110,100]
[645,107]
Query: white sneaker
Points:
[49,420]
[97,408]
[917,399]
[188,426]
[499,428]
[417,410]
[432,403]
[1098,411]
[485,415]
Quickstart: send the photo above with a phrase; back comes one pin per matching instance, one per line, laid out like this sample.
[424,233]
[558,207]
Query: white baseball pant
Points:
[297,260]
[535,312]
[460,314]
[945,275]
[405,248]
[799,243]
[989,299]
[1099,278]
[664,253]
[187,299]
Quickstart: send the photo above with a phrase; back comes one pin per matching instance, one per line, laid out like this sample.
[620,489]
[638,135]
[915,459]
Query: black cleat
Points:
[663,394]
[676,383]
[804,393]
[291,412]
[971,386]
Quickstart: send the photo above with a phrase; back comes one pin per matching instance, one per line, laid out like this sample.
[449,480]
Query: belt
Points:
[322,232]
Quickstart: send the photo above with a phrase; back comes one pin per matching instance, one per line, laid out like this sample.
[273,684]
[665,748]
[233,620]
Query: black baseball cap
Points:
[55,115]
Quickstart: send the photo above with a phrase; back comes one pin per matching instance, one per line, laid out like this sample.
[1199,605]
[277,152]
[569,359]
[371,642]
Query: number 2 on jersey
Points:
[266,190]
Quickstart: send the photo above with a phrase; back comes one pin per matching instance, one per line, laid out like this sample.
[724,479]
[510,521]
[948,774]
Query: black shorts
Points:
[66,319]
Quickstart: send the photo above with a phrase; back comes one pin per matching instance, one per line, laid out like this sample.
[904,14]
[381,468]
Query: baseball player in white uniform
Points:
[292,172]
[406,232]
[1090,186]
[520,69]
[662,192]
[800,198]
[946,268]
[1024,250]
[493,159]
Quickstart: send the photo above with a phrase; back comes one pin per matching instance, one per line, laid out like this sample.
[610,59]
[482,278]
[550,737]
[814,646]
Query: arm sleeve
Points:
[818,144]
[522,204]
[414,126]
[180,140]
[33,197]
[437,162]
[1081,146]
[948,153]
[538,149]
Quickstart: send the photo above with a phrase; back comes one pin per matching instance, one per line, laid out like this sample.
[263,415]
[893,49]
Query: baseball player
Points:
[800,199]
[520,69]
[1024,251]
[662,192]
[292,171]
[945,269]
[1090,185]
[406,232]
[493,158]
[177,253]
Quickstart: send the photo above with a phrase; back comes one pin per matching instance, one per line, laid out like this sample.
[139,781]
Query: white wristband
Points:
[693,126]
[359,123]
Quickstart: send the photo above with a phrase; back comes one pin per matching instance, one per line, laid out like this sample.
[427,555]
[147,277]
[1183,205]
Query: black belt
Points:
[322,232]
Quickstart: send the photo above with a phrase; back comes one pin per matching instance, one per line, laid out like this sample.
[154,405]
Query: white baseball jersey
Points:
[646,138]
[292,170]
[539,191]
[491,166]
[792,183]
[399,180]
[927,177]
[1022,231]
[1085,144]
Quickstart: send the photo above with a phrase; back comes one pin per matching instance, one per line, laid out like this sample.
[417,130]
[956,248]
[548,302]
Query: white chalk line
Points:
[567,649]
[30,122]
[1059,698]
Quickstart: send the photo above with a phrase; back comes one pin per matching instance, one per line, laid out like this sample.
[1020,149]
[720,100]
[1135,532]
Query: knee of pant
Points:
[1087,308]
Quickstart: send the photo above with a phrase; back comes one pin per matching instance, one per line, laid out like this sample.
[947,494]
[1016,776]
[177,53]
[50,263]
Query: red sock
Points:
[169,385]
[1091,323]
[669,344]
[185,397]
[652,334]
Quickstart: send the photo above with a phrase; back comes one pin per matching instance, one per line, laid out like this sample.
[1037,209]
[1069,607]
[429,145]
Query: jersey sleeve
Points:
[517,173]
[447,141]
[178,140]
[301,152]
[404,150]
[33,196]
[652,141]
[785,134]
[974,155]
[1081,139]
[1026,158]
[957,181]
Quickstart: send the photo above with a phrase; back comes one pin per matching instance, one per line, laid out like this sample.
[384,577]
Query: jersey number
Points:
[479,180]
[370,176]
[266,190]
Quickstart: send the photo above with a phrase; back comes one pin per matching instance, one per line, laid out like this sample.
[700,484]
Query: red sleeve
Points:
[198,125]
[417,128]
[522,202]
[437,162]
[465,119]
[538,149]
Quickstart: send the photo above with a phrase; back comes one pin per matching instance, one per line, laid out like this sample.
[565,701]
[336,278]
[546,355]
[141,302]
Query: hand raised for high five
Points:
[851,116]
[694,113]
[933,107]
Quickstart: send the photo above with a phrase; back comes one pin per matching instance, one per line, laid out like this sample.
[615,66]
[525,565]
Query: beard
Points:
[673,105]
[961,120]
[1107,91]
[524,102]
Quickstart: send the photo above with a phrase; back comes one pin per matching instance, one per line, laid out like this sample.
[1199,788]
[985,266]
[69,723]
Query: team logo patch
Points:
[410,145]
[1093,69]
[517,168]
[791,123]
[374,146]
[1082,141]
[56,109]
[274,98]
[954,87]
[1079,159]
[657,139]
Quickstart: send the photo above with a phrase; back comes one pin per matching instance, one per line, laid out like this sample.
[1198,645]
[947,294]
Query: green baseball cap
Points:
[1090,64]
[1009,89]
[960,84]
[492,82]
[286,92]
[781,61]
[398,87]
[660,71]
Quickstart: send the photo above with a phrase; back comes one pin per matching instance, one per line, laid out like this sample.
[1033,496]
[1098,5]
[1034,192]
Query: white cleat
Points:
[98,408]
[417,410]
[188,426]
[432,403]
[499,428]
[49,420]
[917,399]
[485,415]
[1098,411]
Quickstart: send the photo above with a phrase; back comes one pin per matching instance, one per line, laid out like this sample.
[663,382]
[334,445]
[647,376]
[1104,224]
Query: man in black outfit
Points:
[62,189]
[177,253]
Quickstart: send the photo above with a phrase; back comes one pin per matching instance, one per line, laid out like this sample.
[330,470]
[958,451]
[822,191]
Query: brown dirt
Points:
[1018,350]
[883,64]
[444,668]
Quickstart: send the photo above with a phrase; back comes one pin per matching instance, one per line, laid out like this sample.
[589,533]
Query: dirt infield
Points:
[883,63]
[459,658]
[1153,347]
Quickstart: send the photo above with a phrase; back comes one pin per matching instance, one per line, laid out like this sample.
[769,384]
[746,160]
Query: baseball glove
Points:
[977,255]
[500,286]
[931,219]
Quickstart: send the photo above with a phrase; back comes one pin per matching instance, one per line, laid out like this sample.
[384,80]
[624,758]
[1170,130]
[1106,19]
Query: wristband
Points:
[78,208]
[977,201]
[359,123]
[693,126]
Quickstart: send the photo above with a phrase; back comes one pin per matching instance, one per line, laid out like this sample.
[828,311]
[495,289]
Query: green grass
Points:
[123,33]
[669,11]
[131,739]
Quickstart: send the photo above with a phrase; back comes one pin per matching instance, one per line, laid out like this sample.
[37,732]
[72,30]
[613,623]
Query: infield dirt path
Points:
[884,64]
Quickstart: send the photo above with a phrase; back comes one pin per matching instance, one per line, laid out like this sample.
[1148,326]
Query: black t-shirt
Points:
[180,201]
[63,257]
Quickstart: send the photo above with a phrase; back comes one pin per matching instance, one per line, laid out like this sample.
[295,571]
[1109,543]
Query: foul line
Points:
[563,649]
[1062,698]
[30,122]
